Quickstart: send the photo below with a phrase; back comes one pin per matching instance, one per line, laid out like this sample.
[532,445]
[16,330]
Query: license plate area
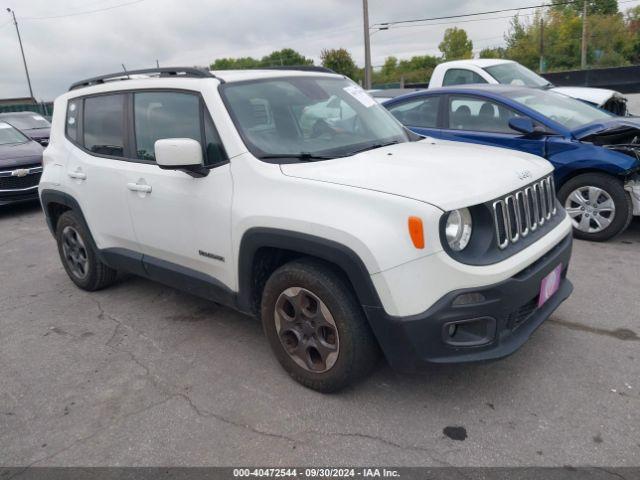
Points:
[550,285]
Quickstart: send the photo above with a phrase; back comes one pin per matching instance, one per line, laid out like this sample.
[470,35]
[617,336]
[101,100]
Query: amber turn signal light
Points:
[416,232]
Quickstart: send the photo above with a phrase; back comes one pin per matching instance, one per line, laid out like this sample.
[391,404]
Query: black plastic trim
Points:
[302,243]
[188,280]
[179,72]
[47,197]
[483,248]
[413,342]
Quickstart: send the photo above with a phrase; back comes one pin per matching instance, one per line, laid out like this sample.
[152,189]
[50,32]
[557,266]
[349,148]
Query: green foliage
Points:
[594,7]
[456,45]
[235,63]
[497,52]
[340,61]
[612,39]
[284,57]
[417,69]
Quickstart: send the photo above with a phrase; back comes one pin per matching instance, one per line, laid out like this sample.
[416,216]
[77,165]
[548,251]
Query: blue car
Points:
[596,155]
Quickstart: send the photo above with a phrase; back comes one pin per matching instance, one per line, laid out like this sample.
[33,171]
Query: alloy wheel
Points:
[75,252]
[307,330]
[591,209]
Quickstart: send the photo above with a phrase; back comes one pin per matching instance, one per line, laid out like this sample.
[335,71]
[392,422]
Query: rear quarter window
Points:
[71,124]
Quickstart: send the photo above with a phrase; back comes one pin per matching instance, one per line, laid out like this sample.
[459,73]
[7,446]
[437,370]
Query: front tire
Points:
[78,255]
[316,327]
[598,205]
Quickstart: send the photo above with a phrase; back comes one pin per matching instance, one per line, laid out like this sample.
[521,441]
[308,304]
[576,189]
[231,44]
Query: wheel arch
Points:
[55,203]
[262,250]
[581,171]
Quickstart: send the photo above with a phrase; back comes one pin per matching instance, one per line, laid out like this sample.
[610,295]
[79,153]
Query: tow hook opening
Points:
[469,333]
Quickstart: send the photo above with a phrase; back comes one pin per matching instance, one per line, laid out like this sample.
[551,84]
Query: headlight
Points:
[458,229]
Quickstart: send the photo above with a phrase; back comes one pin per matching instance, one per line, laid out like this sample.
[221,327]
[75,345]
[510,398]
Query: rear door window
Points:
[420,112]
[103,125]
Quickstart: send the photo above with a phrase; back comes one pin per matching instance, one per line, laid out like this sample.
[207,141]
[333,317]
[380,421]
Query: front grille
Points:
[20,183]
[524,211]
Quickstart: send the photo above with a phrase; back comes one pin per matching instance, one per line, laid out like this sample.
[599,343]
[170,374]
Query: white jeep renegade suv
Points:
[292,195]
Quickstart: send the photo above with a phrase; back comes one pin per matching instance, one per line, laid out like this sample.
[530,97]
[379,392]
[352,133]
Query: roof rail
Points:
[303,68]
[190,72]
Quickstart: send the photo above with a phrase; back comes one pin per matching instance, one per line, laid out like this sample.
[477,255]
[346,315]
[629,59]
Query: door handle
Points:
[78,175]
[137,187]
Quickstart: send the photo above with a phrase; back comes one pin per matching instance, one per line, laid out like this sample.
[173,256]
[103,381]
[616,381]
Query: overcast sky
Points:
[195,32]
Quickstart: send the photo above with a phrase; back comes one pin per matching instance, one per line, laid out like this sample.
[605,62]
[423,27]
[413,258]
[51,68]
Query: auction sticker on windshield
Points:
[359,94]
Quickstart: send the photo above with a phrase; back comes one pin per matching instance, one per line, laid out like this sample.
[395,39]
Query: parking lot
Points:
[140,374]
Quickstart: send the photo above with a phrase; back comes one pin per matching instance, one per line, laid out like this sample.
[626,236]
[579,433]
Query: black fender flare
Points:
[47,197]
[332,252]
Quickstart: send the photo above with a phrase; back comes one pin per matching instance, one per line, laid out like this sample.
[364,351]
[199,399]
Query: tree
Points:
[235,63]
[495,52]
[340,61]
[285,57]
[594,7]
[455,44]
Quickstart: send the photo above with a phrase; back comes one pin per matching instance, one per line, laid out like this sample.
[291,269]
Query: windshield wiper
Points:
[302,156]
[373,147]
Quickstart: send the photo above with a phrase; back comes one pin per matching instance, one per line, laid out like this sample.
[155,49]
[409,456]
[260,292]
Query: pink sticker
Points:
[550,285]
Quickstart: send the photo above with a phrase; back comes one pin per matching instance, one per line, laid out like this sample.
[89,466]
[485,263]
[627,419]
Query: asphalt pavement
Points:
[141,374]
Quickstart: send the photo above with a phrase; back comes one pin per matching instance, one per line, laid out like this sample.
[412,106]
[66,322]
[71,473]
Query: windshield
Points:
[309,116]
[9,135]
[516,74]
[27,122]
[564,110]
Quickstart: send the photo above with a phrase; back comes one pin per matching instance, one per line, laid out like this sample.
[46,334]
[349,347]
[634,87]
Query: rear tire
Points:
[78,255]
[598,205]
[316,327]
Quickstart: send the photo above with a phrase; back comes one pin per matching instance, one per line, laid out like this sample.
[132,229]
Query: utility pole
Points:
[24,60]
[367,46]
[583,56]
[542,65]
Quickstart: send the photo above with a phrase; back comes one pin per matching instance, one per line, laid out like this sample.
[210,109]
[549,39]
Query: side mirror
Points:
[180,154]
[522,125]
[527,127]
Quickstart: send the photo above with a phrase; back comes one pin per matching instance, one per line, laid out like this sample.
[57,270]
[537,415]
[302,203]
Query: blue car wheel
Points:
[598,206]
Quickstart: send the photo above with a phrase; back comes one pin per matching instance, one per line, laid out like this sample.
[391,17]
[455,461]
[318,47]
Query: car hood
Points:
[37,133]
[615,123]
[448,175]
[597,96]
[19,154]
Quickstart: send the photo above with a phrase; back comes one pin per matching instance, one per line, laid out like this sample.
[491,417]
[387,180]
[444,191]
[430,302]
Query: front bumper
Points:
[633,187]
[508,314]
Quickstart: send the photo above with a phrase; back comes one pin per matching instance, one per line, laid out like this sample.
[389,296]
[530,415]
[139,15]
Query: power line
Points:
[488,12]
[394,26]
[459,21]
[86,12]
[479,13]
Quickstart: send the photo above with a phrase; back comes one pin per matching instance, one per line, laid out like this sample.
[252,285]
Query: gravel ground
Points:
[141,374]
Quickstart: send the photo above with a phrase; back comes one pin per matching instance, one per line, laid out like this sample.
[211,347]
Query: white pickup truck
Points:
[489,70]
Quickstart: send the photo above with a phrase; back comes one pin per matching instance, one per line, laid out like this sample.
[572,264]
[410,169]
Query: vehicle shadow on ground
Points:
[215,325]
[24,208]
